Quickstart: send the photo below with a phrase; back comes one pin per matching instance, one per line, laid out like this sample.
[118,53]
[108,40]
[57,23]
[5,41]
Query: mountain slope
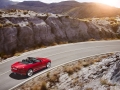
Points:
[5,3]
[90,10]
[46,8]
[32,3]
[71,8]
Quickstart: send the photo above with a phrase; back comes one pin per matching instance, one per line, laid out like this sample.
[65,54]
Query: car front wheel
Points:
[48,65]
[30,72]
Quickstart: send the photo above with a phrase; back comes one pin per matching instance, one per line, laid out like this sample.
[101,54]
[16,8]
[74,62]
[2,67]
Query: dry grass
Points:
[8,25]
[92,39]
[77,67]
[54,78]
[88,89]
[43,46]
[48,74]
[81,84]
[86,63]
[105,82]
[70,69]
[35,87]
[1,25]
[53,44]
[75,81]
[97,60]
[115,26]
[17,54]
[63,42]
[43,86]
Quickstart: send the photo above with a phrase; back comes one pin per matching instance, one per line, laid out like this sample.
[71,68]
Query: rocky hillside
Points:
[71,8]
[100,72]
[21,30]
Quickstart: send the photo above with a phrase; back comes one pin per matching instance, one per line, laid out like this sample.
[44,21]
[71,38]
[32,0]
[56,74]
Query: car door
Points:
[38,65]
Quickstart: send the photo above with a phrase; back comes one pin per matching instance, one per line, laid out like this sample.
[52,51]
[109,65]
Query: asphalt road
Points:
[58,54]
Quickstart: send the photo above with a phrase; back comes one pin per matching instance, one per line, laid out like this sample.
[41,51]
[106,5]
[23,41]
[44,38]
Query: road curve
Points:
[58,54]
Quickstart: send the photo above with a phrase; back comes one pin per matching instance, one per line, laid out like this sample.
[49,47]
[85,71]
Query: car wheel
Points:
[48,65]
[30,72]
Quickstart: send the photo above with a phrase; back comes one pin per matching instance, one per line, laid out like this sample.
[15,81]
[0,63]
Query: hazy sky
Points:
[115,3]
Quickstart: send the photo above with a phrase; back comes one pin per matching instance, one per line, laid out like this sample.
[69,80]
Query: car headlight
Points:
[14,68]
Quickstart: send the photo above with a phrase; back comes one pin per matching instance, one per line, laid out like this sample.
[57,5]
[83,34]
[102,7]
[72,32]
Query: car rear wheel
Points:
[30,72]
[48,65]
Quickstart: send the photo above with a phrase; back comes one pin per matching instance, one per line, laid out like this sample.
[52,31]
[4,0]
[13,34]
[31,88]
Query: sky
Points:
[115,3]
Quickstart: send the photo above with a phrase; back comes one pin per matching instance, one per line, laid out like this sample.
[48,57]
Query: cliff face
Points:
[31,30]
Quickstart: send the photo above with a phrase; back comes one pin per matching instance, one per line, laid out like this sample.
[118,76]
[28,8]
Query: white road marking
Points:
[65,52]
[33,51]
[5,72]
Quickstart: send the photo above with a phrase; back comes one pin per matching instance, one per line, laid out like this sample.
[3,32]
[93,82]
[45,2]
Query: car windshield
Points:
[29,60]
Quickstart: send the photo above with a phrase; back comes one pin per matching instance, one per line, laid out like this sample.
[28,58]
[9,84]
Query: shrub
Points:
[2,54]
[48,74]
[77,67]
[25,12]
[97,60]
[54,78]
[8,25]
[85,63]
[16,25]
[67,16]
[113,20]
[88,89]
[0,15]
[17,54]
[1,25]
[53,44]
[115,26]
[92,39]
[105,82]
[69,70]
[43,86]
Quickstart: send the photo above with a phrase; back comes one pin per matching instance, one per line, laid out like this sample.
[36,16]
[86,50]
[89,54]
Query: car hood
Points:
[18,65]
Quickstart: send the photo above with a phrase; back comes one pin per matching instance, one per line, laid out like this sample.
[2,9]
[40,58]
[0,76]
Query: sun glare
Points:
[110,2]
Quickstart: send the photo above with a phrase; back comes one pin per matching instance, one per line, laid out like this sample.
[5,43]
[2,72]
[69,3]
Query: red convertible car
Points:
[30,65]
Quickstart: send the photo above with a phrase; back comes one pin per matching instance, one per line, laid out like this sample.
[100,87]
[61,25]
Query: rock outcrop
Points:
[20,30]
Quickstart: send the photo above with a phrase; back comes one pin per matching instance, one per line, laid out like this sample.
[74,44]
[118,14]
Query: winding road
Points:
[58,54]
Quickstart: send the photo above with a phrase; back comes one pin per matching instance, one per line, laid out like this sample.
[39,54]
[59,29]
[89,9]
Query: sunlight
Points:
[110,2]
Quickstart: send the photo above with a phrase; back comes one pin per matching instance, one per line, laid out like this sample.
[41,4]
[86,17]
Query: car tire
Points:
[30,73]
[48,65]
